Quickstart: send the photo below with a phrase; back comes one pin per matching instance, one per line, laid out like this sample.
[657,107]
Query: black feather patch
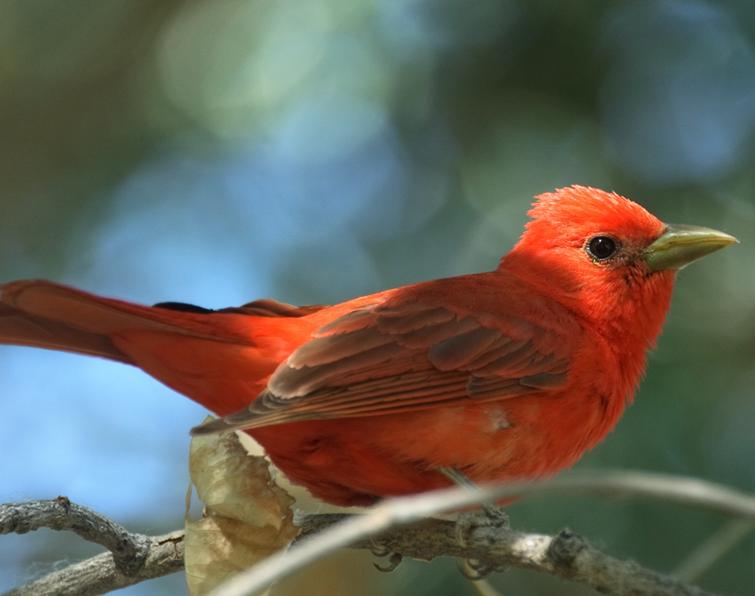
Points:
[184,307]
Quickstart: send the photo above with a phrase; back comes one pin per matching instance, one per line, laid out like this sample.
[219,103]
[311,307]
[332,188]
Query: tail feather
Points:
[20,328]
[49,315]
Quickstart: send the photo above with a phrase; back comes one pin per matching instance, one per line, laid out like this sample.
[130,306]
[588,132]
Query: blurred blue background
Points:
[216,152]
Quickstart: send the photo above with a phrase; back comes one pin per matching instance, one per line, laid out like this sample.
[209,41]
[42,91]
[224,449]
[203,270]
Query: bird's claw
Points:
[474,569]
[379,550]
[490,517]
[393,561]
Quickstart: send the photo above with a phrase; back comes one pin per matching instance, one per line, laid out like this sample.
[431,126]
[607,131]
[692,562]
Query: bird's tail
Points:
[57,317]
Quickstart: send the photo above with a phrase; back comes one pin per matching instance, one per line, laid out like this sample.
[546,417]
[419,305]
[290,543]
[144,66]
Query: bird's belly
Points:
[357,461]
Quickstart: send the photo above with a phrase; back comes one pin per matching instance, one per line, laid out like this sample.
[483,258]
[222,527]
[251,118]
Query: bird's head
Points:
[607,256]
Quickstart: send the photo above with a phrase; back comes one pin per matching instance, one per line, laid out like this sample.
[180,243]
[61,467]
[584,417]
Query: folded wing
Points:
[392,358]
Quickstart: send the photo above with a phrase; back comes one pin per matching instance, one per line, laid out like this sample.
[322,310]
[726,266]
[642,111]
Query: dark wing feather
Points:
[389,359]
[265,307]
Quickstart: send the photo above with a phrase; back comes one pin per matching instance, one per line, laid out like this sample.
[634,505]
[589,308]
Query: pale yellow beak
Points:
[679,245]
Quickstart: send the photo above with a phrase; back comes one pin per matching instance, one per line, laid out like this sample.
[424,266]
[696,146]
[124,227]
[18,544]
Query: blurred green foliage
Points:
[216,151]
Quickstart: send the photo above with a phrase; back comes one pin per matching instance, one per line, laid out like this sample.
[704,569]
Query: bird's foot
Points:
[489,517]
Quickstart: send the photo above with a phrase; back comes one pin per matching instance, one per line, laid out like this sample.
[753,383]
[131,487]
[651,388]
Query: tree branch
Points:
[100,574]
[132,557]
[565,555]
[587,567]
[129,550]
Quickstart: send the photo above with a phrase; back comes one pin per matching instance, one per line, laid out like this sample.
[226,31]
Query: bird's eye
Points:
[602,247]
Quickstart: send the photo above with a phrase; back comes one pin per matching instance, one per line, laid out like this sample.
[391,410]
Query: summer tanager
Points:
[507,374]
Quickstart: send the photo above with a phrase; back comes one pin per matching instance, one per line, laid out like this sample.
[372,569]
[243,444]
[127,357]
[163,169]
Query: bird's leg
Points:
[466,521]
[461,479]
[491,516]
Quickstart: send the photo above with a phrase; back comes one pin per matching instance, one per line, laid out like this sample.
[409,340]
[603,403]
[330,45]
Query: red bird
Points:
[512,373]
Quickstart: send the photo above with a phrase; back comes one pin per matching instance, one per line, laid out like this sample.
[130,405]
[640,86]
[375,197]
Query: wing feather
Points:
[391,358]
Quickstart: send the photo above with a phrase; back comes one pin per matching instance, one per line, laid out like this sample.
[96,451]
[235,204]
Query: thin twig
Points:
[590,569]
[484,588]
[705,555]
